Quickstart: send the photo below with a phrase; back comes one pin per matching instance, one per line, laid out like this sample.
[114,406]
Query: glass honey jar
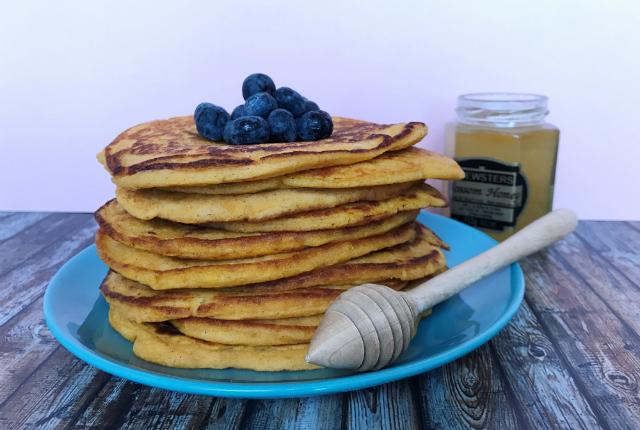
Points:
[508,154]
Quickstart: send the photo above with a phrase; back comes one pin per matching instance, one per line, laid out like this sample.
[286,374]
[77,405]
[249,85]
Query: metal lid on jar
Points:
[502,109]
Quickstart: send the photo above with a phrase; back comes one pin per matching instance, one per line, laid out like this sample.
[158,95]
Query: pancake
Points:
[295,296]
[161,343]
[286,331]
[206,243]
[408,165]
[348,215]
[161,273]
[202,208]
[232,187]
[261,332]
[143,304]
[171,153]
[412,260]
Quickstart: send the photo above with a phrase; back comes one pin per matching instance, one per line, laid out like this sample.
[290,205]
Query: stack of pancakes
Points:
[228,256]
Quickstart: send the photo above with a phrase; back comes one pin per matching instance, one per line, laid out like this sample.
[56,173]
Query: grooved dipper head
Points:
[366,328]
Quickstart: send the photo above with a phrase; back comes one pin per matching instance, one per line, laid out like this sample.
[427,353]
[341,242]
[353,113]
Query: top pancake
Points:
[172,153]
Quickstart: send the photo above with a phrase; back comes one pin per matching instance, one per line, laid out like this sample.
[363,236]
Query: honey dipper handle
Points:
[534,237]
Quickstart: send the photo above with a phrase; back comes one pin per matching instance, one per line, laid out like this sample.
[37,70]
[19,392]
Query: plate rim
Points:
[272,390]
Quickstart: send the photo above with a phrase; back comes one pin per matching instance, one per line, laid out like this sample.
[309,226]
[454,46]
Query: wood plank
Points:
[617,242]
[605,277]
[25,342]
[600,350]
[13,224]
[54,395]
[542,387]
[25,283]
[584,230]
[29,242]
[127,405]
[227,414]
[468,393]
[319,412]
[109,405]
[385,406]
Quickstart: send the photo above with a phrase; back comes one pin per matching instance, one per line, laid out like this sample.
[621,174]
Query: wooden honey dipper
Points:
[369,326]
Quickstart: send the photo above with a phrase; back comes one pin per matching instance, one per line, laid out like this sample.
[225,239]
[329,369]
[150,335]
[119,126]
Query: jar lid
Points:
[502,109]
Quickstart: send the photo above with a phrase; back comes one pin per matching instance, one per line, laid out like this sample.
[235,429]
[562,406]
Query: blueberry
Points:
[210,120]
[257,83]
[310,106]
[314,125]
[260,104]
[329,120]
[200,107]
[283,126]
[290,100]
[238,112]
[247,130]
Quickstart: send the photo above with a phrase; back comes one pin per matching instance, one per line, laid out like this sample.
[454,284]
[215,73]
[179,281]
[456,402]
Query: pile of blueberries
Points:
[267,115]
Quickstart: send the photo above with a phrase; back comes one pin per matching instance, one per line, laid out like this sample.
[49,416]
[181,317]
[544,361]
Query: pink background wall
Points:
[74,75]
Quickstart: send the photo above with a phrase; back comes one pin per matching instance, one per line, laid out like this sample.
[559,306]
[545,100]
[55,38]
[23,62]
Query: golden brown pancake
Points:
[296,296]
[203,208]
[171,153]
[412,260]
[206,243]
[232,187]
[286,331]
[161,343]
[408,165]
[142,304]
[162,273]
[349,215]
[260,332]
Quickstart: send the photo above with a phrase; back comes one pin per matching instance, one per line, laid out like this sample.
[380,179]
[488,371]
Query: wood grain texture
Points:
[127,405]
[32,240]
[25,342]
[541,387]
[151,408]
[598,348]
[24,283]
[226,414]
[468,393]
[53,395]
[320,412]
[11,224]
[570,358]
[110,405]
[383,407]
[617,243]
[605,278]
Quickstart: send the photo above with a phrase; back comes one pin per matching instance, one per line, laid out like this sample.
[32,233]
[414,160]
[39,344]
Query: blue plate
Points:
[76,313]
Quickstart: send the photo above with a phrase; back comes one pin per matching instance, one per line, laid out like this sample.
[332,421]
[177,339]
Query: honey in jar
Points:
[508,154]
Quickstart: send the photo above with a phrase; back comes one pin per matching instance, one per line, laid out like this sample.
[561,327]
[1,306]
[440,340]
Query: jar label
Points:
[492,196]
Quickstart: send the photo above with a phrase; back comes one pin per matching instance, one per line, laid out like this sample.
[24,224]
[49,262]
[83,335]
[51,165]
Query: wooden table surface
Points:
[569,359]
